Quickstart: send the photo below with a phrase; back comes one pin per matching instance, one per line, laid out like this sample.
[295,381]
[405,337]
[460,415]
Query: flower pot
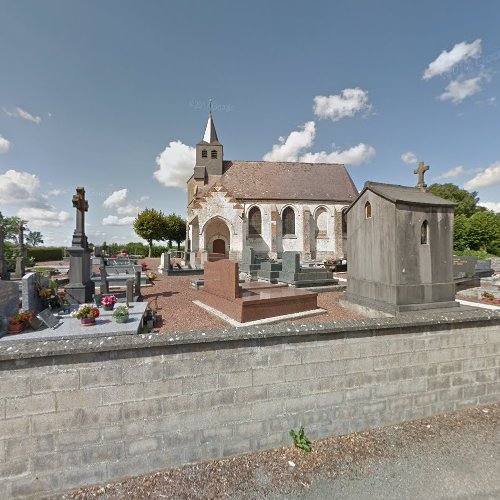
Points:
[121,319]
[108,308]
[17,327]
[87,321]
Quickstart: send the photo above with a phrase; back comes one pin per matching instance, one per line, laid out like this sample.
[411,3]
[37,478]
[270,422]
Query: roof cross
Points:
[422,168]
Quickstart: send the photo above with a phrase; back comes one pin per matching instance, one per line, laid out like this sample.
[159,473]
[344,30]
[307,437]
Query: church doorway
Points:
[219,246]
[217,238]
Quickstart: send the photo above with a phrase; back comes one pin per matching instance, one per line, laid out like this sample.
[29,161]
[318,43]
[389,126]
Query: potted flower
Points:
[120,314]
[144,265]
[87,314]
[108,302]
[18,322]
[329,264]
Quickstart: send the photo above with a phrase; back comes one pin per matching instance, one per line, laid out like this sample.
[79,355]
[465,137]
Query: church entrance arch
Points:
[217,239]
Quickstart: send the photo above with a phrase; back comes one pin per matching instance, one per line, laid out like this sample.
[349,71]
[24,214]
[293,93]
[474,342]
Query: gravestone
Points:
[249,263]
[80,288]
[464,266]
[48,318]
[164,263]
[9,302]
[294,275]
[98,252]
[269,271]
[104,287]
[129,293]
[30,284]
[138,283]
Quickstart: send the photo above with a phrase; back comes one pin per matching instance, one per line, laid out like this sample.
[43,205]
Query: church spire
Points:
[210,133]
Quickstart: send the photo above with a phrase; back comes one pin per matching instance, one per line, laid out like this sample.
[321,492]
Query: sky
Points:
[113,95]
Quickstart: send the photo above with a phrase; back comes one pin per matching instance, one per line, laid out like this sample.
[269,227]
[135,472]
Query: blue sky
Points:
[105,94]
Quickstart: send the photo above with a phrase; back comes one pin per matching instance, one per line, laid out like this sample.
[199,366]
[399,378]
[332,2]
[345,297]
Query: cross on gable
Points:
[79,201]
[422,168]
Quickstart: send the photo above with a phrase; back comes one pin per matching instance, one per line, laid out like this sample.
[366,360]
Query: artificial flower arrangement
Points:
[18,322]
[120,314]
[87,314]
[108,302]
[152,276]
[144,265]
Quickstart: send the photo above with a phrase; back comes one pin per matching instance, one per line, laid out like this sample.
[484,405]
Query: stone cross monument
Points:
[4,274]
[80,289]
[422,168]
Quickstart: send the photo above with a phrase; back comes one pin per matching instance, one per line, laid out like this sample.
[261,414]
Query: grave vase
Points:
[121,319]
[108,308]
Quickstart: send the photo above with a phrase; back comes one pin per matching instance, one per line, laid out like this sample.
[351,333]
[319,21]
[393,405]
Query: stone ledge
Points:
[18,349]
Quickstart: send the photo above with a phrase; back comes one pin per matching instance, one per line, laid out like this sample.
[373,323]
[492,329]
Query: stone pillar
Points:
[164,263]
[138,283]
[104,289]
[306,234]
[273,252]
[80,288]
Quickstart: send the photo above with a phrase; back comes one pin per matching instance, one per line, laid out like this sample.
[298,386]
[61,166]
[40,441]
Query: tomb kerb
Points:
[80,288]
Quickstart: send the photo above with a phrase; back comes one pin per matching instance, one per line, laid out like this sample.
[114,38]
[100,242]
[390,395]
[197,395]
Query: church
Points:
[271,207]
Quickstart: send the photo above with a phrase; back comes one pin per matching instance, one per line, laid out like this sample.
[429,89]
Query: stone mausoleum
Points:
[272,207]
[400,249]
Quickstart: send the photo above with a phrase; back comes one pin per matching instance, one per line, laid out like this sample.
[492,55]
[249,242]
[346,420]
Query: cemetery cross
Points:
[422,168]
[82,206]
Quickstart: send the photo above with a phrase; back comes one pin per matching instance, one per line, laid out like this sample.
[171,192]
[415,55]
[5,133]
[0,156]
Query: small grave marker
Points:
[49,319]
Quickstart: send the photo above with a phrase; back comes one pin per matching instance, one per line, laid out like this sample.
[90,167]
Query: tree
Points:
[466,202]
[34,238]
[484,230]
[176,229]
[150,225]
[461,233]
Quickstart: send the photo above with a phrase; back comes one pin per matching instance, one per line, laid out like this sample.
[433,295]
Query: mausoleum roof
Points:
[405,194]
[263,180]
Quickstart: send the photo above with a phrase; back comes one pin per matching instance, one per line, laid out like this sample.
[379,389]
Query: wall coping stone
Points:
[17,348]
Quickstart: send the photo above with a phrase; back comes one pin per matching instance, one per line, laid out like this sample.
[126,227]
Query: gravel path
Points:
[449,456]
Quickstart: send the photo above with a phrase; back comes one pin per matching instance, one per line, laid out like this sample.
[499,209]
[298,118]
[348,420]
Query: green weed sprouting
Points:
[300,440]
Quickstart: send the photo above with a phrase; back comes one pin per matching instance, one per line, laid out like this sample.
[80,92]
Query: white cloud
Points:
[290,147]
[490,176]
[53,192]
[113,220]
[452,173]
[17,187]
[43,217]
[491,205]
[409,158]
[176,164]
[446,61]
[21,113]
[346,104]
[4,145]
[128,210]
[144,198]
[457,90]
[355,155]
[116,199]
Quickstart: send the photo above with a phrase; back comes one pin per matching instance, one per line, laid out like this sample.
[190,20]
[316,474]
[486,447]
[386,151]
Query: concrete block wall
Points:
[68,420]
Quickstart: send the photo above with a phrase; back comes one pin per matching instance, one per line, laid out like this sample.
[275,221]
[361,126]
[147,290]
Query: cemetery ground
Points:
[454,455]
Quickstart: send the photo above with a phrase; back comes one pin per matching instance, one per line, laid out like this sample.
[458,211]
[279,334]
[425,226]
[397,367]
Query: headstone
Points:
[294,275]
[30,284]
[222,279]
[97,251]
[269,271]
[80,287]
[248,262]
[48,318]
[9,302]
[138,283]
[104,277]
[164,263]
[464,266]
[129,296]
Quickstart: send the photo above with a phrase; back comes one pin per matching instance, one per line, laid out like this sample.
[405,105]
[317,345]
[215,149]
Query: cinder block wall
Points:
[79,419]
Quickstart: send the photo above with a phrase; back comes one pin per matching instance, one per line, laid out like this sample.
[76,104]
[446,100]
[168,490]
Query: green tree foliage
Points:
[466,202]
[176,229]
[460,233]
[34,239]
[484,230]
[150,225]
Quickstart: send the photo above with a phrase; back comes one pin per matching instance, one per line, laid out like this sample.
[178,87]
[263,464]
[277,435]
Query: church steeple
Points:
[209,153]
[210,132]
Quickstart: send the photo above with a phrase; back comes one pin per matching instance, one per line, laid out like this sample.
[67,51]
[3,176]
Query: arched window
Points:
[288,220]
[213,154]
[368,210]
[424,233]
[204,153]
[254,221]
[321,219]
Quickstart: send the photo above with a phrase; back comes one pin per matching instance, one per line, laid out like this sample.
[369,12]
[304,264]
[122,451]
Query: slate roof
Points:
[262,180]
[405,194]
